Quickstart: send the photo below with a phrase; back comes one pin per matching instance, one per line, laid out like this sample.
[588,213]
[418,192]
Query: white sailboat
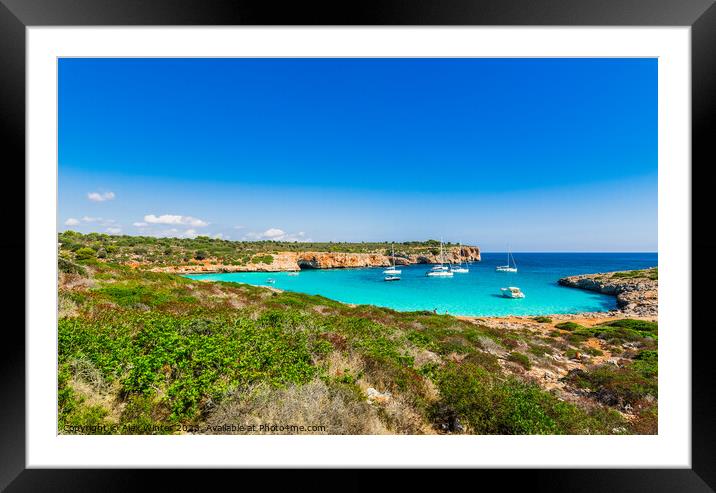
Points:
[460,269]
[509,267]
[440,270]
[392,271]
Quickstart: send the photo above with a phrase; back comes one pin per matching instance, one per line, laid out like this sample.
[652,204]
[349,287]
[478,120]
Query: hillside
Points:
[204,254]
[145,352]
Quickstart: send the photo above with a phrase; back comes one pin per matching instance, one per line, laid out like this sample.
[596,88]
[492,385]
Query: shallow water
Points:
[475,293]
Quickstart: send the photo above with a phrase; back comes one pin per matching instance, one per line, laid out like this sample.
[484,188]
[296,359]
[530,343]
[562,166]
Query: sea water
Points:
[475,293]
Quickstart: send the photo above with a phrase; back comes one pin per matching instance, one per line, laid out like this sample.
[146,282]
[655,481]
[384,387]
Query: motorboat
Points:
[512,292]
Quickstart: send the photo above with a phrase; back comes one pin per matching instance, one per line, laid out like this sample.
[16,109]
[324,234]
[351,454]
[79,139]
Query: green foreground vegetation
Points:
[143,352]
[177,251]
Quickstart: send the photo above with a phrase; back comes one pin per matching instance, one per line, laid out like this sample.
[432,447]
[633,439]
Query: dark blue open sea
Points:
[476,293]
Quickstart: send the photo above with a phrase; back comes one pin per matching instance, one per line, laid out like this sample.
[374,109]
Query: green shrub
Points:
[615,386]
[634,324]
[85,253]
[619,331]
[542,320]
[68,267]
[540,350]
[570,326]
[520,359]
[646,363]
[593,351]
[486,404]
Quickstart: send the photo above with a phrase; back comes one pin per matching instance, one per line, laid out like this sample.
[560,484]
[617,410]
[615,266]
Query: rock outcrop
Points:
[636,294]
[294,261]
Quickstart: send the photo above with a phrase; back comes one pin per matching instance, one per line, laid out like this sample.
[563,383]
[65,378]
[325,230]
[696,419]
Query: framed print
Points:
[438,236]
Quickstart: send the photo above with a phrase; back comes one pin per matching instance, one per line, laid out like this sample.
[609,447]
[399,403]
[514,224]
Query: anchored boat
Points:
[460,269]
[512,292]
[392,270]
[440,270]
[509,267]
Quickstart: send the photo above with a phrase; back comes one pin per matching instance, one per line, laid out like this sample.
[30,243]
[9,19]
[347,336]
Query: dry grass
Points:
[66,307]
[340,410]
[74,282]
[490,345]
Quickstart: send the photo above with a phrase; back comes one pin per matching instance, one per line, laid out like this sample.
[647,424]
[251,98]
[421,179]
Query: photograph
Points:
[357,246]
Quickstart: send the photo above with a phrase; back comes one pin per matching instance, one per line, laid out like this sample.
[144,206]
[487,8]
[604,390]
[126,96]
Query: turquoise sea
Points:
[476,293]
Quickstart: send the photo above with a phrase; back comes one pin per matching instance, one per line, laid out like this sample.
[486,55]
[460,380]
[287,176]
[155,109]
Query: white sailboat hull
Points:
[392,271]
[505,268]
[439,273]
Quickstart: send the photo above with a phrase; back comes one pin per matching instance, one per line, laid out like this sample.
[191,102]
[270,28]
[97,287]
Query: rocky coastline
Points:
[295,261]
[637,292]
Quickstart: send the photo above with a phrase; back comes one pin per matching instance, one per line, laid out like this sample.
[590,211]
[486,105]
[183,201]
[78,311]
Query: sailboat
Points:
[509,267]
[392,270]
[460,269]
[440,270]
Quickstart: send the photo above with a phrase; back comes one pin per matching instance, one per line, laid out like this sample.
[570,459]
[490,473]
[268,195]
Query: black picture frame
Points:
[700,15]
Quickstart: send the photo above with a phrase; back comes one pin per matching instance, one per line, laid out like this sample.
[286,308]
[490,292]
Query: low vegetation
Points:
[153,353]
[652,274]
[177,251]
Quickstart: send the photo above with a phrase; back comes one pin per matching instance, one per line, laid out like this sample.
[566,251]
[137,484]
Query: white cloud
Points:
[100,197]
[190,233]
[114,231]
[72,222]
[277,234]
[273,233]
[140,225]
[99,220]
[174,219]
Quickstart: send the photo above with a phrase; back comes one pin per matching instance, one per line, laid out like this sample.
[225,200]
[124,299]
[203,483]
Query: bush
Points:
[485,404]
[200,255]
[66,266]
[570,326]
[615,386]
[85,253]
[542,320]
[618,331]
[520,359]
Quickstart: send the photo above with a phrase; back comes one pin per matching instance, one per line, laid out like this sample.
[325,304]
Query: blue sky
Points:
[540,154]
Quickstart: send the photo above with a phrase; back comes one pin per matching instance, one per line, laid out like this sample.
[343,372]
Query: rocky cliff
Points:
[294,261]
[637,292]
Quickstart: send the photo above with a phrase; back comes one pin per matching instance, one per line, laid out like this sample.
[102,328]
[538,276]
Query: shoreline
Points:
[593,315]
